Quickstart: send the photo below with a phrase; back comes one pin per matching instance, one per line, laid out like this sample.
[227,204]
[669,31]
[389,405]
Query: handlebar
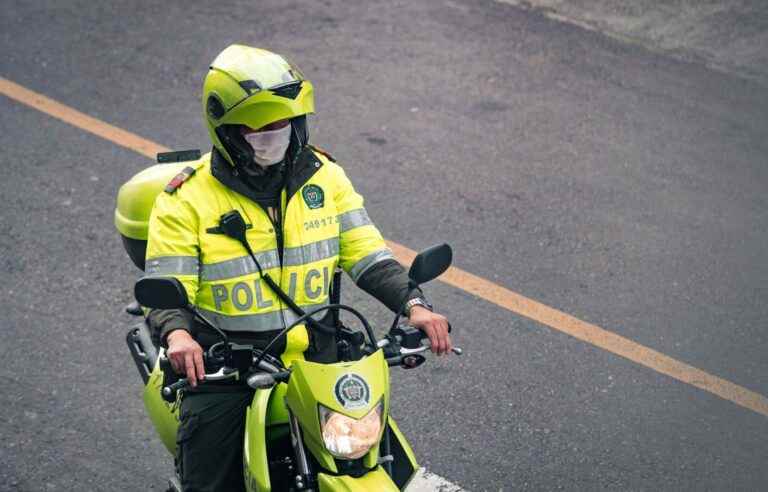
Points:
[405,343]
[427,345]
[170,390]
[222,374]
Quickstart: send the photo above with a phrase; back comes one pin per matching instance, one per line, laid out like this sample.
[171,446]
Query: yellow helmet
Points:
[252,87]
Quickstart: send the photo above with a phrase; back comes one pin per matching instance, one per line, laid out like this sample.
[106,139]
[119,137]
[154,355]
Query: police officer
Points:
[303,219]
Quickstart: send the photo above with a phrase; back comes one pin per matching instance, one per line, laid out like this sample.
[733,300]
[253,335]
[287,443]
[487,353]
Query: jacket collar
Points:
[301,170]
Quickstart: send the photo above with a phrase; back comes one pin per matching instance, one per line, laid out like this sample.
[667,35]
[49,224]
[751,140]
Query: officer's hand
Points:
[186,356]
[435,326]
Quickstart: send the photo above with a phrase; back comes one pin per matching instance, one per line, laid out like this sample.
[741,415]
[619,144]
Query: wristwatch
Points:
[416,301]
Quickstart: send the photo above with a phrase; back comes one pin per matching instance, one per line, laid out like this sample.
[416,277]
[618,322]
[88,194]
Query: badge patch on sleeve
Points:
[313,196]
[352,391]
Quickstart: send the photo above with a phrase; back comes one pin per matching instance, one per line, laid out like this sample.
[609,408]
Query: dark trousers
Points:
[210,440]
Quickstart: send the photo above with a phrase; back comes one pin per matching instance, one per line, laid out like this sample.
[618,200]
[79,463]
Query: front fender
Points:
[376,479]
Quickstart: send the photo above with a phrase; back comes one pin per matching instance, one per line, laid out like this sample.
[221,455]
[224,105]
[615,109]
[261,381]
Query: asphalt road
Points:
[726,35]
[618,185]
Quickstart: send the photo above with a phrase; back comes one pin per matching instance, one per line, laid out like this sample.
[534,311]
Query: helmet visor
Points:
[262,70]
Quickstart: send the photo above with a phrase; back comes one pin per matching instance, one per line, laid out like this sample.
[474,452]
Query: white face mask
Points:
[269,147]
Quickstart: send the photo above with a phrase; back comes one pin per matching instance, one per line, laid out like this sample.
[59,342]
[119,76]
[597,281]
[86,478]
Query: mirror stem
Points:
[412,286]
[207,323]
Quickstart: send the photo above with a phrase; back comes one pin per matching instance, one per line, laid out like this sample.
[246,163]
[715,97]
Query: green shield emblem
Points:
[313,196]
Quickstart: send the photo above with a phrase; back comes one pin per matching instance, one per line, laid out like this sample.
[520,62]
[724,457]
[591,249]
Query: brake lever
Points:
[424,348]
[407,351]
[384,342]
[222,374]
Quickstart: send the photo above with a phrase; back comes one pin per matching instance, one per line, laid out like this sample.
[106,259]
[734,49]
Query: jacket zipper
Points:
[277,225]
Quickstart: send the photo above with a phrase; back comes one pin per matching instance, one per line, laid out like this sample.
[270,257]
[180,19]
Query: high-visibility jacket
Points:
[324,224]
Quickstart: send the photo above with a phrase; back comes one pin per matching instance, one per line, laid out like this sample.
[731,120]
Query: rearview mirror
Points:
[161,293]
[430,263]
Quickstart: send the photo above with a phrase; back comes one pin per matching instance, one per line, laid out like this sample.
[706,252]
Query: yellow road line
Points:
[81,120]
[595,335]
[456,277]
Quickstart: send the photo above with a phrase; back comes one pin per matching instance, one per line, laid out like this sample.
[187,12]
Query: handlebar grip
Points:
[170,391]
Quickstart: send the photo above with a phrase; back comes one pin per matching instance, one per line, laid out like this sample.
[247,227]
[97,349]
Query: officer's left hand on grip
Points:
[186,356]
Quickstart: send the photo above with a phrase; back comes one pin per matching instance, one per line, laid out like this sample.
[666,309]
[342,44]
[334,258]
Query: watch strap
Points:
[416,301]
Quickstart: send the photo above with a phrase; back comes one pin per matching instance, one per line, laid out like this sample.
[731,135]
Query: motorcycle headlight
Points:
[349,438]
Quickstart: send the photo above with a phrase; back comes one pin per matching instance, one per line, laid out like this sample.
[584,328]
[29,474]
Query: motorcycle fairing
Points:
[164,415]
[267,410]
[255,464]
[404,468]
[268,413]
[312,384]
[404,465]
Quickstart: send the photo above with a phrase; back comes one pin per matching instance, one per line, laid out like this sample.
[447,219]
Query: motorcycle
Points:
[310,426]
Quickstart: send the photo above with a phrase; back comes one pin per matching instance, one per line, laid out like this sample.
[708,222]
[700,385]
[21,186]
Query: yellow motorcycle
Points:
[310,426]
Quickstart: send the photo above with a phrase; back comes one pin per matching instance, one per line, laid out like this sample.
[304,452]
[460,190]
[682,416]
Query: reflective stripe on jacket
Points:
[324,225]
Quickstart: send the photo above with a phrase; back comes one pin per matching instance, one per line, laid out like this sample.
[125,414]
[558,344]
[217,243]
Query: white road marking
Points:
[426,481]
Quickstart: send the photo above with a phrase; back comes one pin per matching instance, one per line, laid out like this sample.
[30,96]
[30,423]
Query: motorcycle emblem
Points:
[352,391]
[313,196]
